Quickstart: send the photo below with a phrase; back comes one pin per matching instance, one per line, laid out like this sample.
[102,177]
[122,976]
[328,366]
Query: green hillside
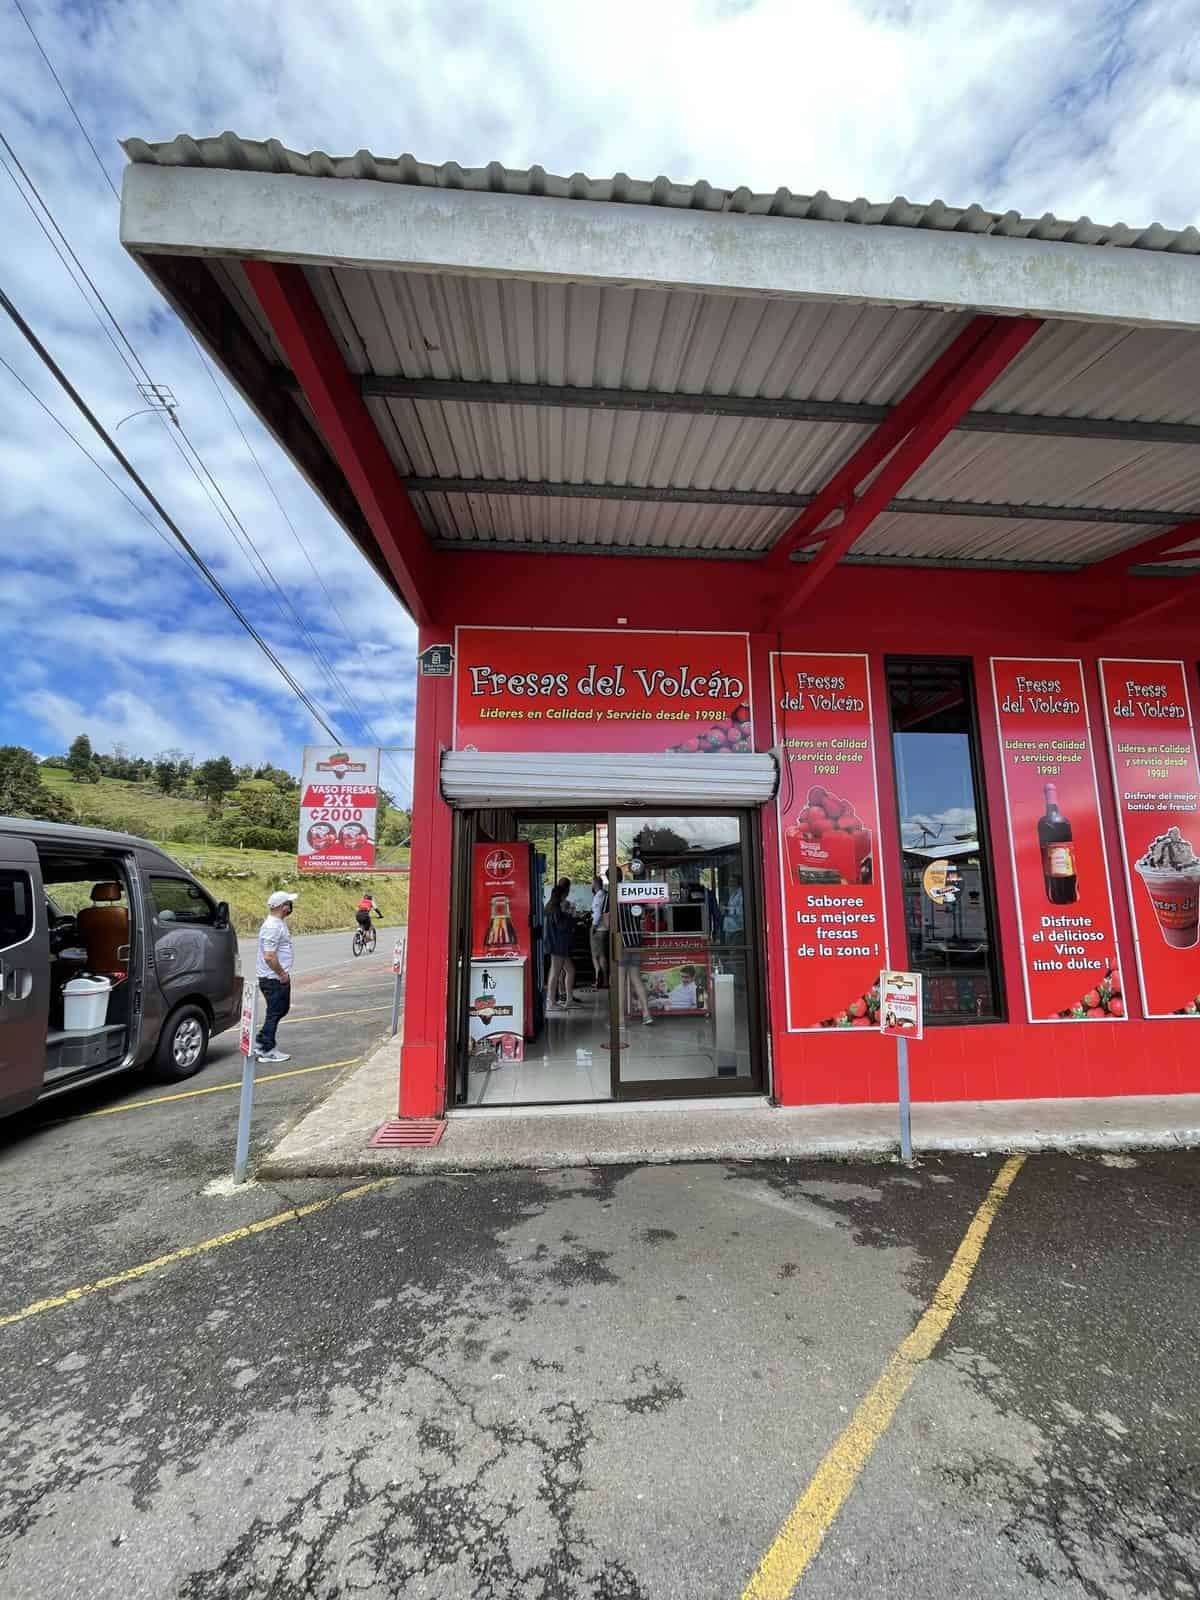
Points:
[181,825]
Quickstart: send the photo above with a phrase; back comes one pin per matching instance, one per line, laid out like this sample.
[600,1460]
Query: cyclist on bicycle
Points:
[364,911]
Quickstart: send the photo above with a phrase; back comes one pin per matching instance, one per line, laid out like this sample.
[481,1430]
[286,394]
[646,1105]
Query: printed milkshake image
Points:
[1170,869]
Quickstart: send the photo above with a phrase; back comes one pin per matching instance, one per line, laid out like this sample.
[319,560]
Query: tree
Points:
[22,793]
[80,759]
[215,778]
[259,816]
[166,776]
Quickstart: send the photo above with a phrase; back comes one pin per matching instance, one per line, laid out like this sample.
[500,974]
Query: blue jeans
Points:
[278,996]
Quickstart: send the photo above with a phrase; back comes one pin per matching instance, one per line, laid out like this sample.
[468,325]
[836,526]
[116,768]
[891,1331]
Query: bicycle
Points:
[365,939]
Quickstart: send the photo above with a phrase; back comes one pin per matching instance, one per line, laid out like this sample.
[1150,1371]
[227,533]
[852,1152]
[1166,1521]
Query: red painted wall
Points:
[881,610]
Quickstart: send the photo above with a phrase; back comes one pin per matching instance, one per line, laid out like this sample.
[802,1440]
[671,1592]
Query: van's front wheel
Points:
[182,1045]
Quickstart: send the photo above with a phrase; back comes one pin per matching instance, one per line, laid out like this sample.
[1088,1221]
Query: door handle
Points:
[18,983]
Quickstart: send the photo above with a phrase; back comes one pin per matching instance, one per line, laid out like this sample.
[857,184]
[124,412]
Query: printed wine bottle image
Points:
[1058,852]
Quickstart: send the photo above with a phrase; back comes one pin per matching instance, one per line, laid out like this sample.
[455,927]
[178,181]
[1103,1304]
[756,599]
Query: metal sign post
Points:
[399,951]
[246,1044]
[902,1017]
[905,1100]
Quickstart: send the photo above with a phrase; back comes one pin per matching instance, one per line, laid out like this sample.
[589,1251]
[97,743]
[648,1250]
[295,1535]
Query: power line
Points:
[70,103]
[236,528]
[335,680]
[99,465]
[131,471]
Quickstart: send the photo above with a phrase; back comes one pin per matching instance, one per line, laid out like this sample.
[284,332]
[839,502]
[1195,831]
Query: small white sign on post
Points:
[249,999]
[902,1017]
[900,1011]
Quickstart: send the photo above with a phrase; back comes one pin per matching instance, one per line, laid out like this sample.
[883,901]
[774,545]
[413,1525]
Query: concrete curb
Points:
[331,1139]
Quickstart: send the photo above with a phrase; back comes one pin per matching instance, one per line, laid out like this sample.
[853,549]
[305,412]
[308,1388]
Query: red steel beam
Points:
[1110,599]
[839,491]
[1158,547]
[1150,603]
[944,403]
[333,394]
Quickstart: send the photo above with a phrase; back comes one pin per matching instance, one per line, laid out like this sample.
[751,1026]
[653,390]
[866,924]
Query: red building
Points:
[829,568]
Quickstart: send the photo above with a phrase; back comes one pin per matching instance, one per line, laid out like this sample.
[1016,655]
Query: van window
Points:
[16,907]
[177,900]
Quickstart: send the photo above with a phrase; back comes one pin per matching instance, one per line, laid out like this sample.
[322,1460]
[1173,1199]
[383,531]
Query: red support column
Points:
[426,993]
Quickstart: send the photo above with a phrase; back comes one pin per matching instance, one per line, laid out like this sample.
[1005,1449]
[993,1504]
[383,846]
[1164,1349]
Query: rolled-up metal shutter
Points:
[538,779]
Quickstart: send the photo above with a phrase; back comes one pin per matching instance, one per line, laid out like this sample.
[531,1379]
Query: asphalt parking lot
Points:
[608,1383]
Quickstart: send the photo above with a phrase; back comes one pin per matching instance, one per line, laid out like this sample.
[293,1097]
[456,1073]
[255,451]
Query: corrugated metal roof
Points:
[230,151]
[431,327]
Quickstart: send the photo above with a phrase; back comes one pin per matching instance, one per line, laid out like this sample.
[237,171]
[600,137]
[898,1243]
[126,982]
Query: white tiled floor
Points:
[569,1061]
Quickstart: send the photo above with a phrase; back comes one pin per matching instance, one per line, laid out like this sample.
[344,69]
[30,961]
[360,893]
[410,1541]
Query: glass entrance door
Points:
[685,997]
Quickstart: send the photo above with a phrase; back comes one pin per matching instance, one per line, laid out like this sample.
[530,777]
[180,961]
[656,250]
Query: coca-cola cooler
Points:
[504,932]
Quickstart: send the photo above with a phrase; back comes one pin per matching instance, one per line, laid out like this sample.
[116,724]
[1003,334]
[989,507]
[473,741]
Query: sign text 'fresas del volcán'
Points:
[819,691]
[610,682]
[566,689]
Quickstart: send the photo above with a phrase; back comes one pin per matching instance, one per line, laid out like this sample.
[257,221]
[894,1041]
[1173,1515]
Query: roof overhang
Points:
[399,227]
[470,364]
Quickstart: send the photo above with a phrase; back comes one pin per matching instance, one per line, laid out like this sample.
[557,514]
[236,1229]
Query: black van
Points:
[83,903]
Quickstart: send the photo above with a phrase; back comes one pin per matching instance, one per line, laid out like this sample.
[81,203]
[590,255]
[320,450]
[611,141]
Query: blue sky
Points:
[1056,105]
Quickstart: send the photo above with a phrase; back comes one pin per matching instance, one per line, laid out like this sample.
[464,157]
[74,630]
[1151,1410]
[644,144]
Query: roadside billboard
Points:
[339,801]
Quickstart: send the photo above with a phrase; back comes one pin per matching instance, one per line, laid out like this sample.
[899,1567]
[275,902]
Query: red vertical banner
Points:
[1152,742]
[835,931]
[1056,842]
[500,902]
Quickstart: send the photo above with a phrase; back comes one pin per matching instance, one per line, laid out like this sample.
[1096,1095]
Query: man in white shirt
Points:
[273,969]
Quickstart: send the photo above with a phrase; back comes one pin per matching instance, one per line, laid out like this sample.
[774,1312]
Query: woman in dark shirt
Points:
[557,924]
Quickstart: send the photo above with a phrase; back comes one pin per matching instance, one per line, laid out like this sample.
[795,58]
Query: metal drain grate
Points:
[389,1135]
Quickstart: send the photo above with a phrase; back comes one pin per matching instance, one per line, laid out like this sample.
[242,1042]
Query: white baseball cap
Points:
[281,898]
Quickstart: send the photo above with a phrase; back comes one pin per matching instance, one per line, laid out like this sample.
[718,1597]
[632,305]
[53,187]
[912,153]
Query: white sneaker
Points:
[273,1056]
[648,1021]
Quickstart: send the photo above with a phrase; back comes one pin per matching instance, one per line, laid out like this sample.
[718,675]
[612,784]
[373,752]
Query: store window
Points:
[949,903]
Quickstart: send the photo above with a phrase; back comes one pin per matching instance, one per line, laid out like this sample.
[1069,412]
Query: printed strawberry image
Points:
[1192,1009]
[828,842]
[862,1012]
[1105,1000]
[733,736]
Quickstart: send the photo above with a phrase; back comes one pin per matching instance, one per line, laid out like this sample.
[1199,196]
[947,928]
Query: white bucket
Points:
[85,1004]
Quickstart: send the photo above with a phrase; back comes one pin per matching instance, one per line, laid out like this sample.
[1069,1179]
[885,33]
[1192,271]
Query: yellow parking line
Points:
[213,1088]
[188,1251]
[324,1016]
[798,1541]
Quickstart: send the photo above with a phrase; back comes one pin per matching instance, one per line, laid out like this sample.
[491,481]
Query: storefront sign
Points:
[900,1012]
[1152,742]
[339,791]
[1056,842]
[500,902]
[563,689]
[646,893]
[834,917]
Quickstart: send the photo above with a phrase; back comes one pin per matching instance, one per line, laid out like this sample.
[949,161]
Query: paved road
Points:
[603,1383]
[320,951]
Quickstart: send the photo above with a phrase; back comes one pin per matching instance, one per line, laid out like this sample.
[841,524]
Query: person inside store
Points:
[557,924]
[598,933]
[629,949]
